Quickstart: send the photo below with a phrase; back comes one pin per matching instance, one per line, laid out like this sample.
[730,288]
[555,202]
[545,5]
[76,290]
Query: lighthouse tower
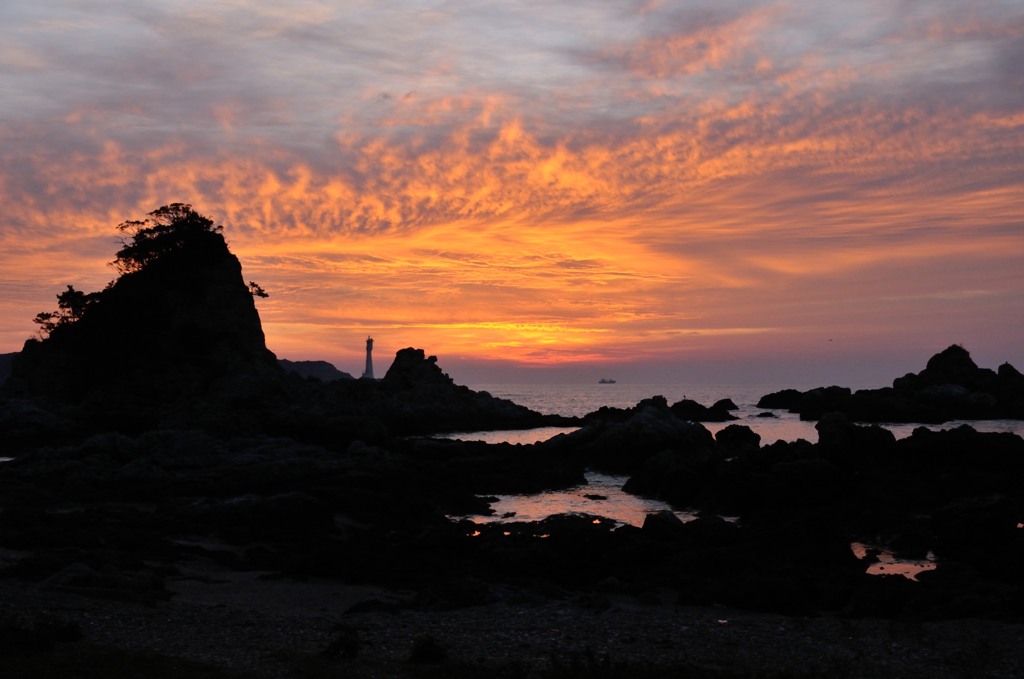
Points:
[368,373]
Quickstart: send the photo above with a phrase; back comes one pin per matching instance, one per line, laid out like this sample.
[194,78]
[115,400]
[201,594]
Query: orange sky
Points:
[724,191]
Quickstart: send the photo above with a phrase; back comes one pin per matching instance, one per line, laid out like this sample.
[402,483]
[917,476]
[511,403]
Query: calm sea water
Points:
[580,399]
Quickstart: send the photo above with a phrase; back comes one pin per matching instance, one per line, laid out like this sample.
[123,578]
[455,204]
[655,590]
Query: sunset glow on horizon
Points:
[638,185]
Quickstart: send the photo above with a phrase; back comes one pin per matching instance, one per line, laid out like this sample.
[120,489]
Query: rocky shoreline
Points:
[256,555]
[190,532]
[177,503]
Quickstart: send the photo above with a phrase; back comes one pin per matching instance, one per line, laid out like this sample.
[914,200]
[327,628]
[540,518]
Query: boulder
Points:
[786,399]
[675,476]
[412,368]
[663,523]
[691,410]
[737,439]
[623,446]
[852,446]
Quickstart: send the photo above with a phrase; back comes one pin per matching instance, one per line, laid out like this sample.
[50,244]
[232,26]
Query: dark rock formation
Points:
[5,366]
[788,399]
[320,370]
[171,330]
[950,387]
[416,397]
[952,365]
[686,409]
[412,368]
[737,439]
[691,410]
[623,446]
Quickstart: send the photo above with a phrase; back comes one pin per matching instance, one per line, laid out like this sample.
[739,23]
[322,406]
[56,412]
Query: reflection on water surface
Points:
[884,562]
[522,436]
[602,495]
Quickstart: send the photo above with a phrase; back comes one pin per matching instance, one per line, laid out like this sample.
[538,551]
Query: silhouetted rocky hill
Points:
[172,329]
[950,387]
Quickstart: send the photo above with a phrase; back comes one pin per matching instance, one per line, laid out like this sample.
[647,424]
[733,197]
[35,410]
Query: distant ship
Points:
[605,380]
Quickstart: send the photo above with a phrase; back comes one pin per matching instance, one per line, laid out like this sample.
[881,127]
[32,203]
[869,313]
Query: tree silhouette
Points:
[257,290]
[71,307]
[169,229]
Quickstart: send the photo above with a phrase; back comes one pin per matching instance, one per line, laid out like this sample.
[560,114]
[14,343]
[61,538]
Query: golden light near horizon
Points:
[663,184]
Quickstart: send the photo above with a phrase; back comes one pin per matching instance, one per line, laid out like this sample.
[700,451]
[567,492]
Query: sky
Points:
[725,191]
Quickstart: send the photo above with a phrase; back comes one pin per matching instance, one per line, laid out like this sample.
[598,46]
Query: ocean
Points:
[580,399]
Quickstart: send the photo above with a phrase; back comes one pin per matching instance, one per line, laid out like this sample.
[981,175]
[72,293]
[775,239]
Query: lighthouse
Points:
[368,373]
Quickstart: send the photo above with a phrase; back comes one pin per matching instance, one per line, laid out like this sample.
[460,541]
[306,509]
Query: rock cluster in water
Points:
[951,387]
[160,430]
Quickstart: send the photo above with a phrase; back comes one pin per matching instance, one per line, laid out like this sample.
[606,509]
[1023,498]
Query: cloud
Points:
[505,174]
[692,40]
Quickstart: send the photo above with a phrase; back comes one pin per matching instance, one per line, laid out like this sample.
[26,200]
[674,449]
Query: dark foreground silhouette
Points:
[173,485]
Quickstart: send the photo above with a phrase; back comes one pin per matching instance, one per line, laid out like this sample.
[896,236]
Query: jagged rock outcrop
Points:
[950,387]
[686,409]
[412,368]
[623,446]
[170,330]
[415,396]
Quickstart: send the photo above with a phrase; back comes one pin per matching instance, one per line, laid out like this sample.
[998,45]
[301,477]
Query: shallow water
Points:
[602,496]
[514,436]
[884,562]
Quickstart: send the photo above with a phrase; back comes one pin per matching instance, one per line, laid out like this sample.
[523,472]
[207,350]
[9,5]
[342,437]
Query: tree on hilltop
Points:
[169,229]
